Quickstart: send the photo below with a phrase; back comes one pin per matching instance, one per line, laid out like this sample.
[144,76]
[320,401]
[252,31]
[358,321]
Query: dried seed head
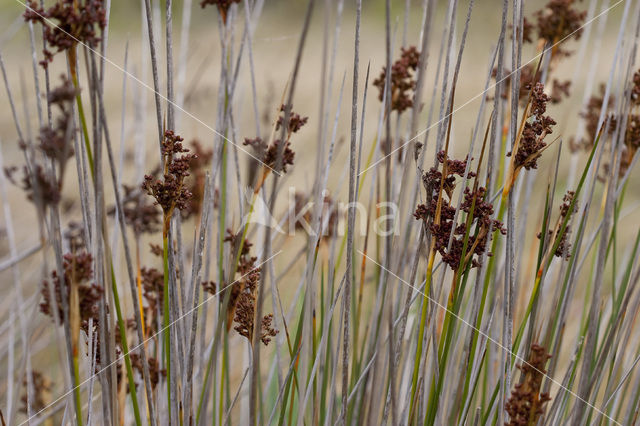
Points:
[559,20]
[170,192]
[536,128]
[402,80]
[526,404]
[67,23]
[474,203]
[142,216]
[196,180]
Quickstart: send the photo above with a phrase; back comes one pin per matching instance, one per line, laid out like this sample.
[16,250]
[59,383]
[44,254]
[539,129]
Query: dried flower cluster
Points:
[243,293]
[222,5]
[77,270]
[55,142]
[536,128]
[526,404]
[591,116]
[402,80]
[564,247]
[41,389]
[474,203]
[268,153]
[558,20]
[170,191]
[67,23]
[40,185]
[141,215]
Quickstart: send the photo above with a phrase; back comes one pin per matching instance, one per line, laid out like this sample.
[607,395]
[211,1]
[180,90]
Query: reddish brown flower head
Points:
[170,191]
[526,404]
[558,20]
[536,128]
[67,23]
[402,80]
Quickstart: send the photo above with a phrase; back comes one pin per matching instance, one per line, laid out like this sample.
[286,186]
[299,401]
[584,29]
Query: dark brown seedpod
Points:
[170,192]
[481,223]
[41,392]
[67,23]
[77,269]
[296,122]
[222,5]
[564,247]
[152,281]
[537,126]
[154,369]
[402,80]
[40,189]
[526,404]
[142,216]
[558,20]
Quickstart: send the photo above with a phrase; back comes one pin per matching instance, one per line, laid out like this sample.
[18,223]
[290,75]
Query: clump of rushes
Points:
[222,5]
[268,152]
[195,182]
[66,23]
[402,80]
[526,404]
[474,203]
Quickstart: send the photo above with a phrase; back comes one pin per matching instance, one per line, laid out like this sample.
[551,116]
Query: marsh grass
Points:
[481,306]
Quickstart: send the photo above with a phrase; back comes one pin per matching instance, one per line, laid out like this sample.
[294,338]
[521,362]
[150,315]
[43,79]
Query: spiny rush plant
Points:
[387,268]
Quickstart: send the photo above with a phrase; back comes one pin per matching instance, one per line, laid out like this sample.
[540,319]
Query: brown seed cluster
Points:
[41,392]
[329,216]
[142,216]
[536,128]
[40,185]
[55,141]
[77,270]
[591,116]
[526,404]
[268,153]
[67,23]
[170,191]
[402,80]
[243,294]
[474,203]
[564,247]
[558,20]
